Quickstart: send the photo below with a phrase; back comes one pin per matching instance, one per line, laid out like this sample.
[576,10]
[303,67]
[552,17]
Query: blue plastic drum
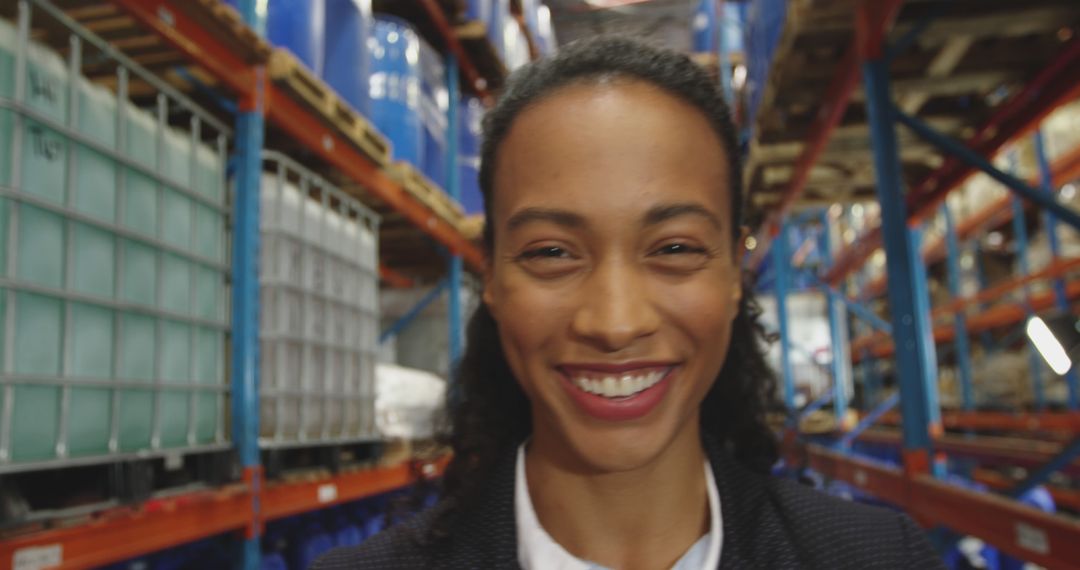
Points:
[470,114]
[395,87]
[434,101]
[297,25]
[346,65]
[478,10]
[500,16]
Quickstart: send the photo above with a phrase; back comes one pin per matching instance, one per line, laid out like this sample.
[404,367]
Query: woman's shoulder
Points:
[831,529]
[787,524]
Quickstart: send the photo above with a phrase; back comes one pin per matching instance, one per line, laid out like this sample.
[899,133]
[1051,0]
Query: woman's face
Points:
[613,277]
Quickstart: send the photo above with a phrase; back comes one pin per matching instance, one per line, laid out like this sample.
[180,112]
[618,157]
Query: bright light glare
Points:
[751,243]
[1048,346]
[543,14]
[738,77]
[1068,192]
[995,239]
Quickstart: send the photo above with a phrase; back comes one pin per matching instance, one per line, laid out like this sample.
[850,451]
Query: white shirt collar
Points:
[536,548]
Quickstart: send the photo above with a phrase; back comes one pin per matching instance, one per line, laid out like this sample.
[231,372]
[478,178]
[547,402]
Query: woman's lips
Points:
[617,392]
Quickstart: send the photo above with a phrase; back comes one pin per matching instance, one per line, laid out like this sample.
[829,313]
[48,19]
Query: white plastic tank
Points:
[140,189]
[313,327]
[95,178]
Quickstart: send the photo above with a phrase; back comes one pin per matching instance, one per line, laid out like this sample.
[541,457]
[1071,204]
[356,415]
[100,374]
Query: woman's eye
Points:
[680,248]
[548,252]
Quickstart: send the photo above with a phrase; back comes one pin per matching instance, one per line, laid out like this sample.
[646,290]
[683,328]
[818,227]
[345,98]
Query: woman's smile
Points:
[620,392]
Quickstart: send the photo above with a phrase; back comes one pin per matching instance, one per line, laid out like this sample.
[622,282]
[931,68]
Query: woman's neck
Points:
[645,518]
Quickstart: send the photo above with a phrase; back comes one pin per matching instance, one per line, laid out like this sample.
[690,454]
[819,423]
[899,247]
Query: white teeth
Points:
[610,387]
[619,387]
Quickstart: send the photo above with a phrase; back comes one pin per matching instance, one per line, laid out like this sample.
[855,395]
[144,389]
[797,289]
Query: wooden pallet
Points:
[299,81]
[226,23]
[428,193]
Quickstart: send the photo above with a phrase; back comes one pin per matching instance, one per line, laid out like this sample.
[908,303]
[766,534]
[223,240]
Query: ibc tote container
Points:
[113,314]
[346,55]
[319,335]
[395,87]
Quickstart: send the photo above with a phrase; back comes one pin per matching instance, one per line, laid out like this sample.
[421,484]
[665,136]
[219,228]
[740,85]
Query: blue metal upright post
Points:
[723,56]
[1050,223]
[909,299]
[453,187]
[1023,269]
[963,345]
[245,299]
[841,357]
[781,259]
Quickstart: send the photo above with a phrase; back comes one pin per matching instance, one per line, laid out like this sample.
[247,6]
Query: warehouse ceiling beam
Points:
[834,104]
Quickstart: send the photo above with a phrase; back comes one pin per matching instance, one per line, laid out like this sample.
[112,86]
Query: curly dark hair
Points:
[488,412]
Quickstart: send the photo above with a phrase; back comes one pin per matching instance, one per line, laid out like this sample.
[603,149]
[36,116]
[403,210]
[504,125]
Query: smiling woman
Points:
[609,410]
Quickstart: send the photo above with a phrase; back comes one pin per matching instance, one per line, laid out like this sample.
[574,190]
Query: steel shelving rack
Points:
[871,56]
[228,59]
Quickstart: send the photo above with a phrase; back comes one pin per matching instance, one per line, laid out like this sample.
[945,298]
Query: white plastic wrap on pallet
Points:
[408,402]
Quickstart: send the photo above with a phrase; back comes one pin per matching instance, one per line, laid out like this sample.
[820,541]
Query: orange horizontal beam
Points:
[1060,422]
[288,499]
[883,481]
[394,278]
[992,450]
[1068,498]
[126,533]
[196,43]
[156,525]
[1008,525]
[1011,527]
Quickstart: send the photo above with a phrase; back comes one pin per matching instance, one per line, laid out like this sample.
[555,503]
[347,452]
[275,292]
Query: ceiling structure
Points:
[665,22]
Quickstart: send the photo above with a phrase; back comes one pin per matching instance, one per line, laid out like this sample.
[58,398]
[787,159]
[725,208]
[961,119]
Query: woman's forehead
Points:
[624,144]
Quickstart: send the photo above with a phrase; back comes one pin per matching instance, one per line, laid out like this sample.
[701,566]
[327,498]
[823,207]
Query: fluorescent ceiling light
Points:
[1048,346]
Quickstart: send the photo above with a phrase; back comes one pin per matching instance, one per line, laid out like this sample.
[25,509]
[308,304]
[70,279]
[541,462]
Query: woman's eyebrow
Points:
[552,215]
[666,212]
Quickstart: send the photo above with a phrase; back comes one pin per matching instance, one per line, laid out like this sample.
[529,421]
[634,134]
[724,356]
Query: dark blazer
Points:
[768,523]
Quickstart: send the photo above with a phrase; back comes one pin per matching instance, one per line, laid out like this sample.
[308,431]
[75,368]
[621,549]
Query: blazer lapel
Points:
[741,507]
[485,536]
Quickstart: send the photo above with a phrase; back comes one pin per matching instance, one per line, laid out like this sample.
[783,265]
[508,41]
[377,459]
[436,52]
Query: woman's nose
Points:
[614,308]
